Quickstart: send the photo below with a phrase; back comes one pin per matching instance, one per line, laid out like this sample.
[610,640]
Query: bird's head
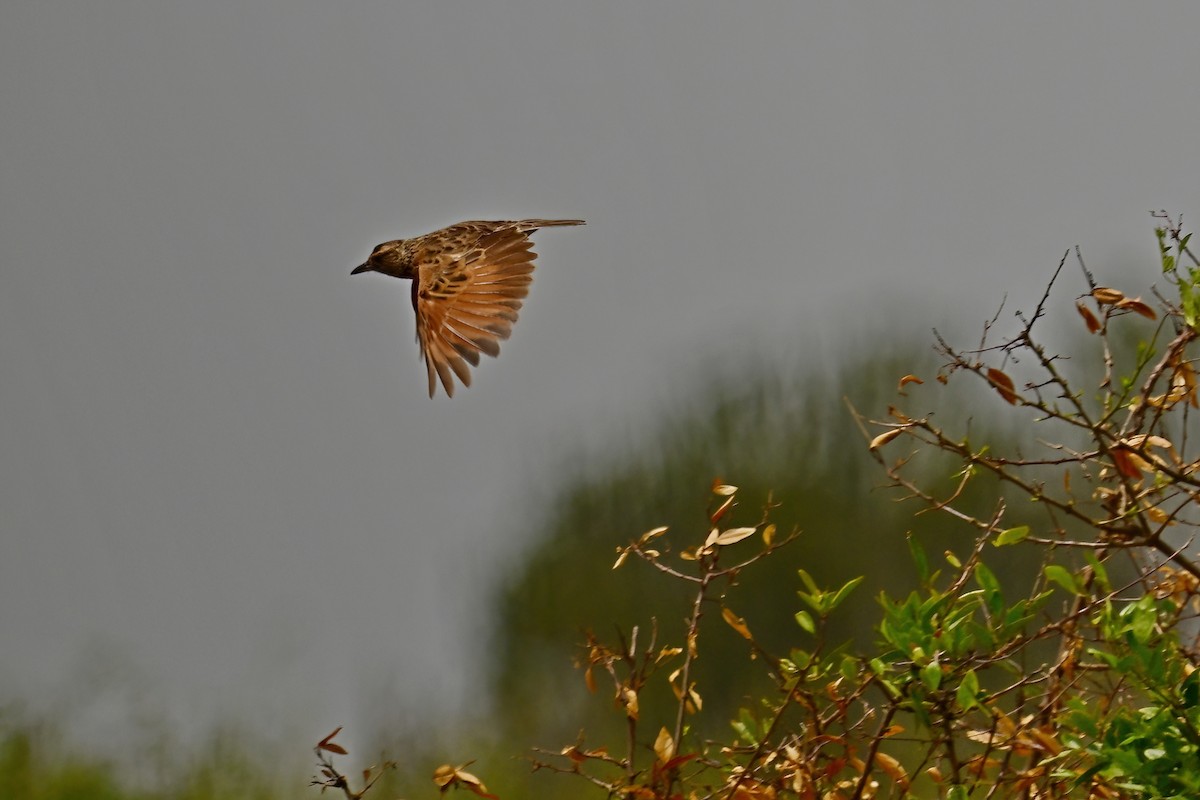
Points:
[385,258]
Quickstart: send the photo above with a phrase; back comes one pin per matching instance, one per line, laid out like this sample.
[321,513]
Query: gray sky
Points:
[221,482]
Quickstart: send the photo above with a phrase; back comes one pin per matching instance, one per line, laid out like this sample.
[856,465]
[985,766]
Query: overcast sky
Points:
[222,483]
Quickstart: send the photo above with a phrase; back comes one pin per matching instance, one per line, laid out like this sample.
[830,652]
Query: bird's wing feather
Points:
[467,299]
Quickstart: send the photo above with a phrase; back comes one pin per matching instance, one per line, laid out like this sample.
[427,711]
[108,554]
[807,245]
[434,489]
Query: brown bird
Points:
[469,281]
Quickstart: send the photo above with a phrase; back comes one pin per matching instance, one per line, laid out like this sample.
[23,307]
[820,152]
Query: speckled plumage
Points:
[469,281]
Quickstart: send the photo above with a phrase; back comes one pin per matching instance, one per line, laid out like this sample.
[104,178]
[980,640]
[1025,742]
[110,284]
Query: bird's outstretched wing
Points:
[467,299]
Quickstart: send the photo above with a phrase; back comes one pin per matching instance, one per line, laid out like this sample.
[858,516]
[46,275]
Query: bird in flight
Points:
[469,281]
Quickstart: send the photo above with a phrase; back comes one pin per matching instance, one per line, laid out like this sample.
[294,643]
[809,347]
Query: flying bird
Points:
[469,281]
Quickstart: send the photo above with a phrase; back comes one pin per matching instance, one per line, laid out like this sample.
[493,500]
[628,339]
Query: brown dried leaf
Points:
[1004,385]
[1044,736]
[1089,319]
[1106,296]
[329,745]
[907,379]
[736,622]
[1136,305]
[724,489]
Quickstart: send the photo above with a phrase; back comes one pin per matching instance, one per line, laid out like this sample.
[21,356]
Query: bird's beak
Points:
[361,268]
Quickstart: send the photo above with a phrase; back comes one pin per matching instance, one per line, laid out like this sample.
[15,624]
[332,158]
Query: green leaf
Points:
[815,602]
[1099,570]
[1011,536]
[809,583]
[1191,690]
[843,593]
[931,675]
[805,620]
[918,556]
[1059,575]
[991,588]
[968,691]
[953,560]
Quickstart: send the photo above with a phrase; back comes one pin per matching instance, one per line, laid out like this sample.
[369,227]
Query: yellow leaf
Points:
[724,489]
[769,535]
[884,438]
[628,698]
[736,622]
[733,535]
[653,534]
[443,776]
[664,746]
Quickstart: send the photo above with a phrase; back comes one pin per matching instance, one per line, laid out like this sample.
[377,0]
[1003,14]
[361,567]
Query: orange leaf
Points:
[893,769]
[1136,305]
[1089,319]
[1127,462]
[1004,385]
[720,512]
[589,679]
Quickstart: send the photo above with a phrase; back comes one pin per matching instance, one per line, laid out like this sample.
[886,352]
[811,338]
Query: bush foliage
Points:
[1075,677]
